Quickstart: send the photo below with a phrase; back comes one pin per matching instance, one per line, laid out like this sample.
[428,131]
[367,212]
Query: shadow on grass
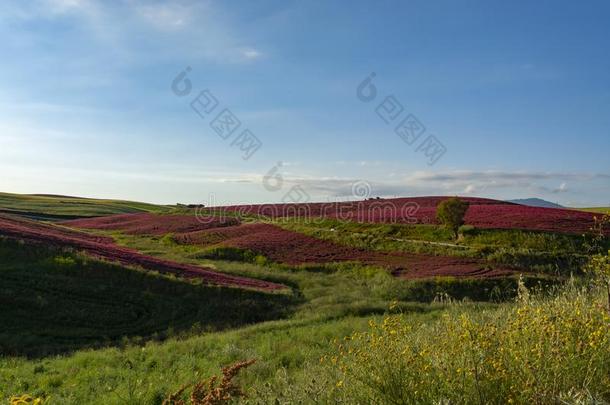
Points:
[55,302]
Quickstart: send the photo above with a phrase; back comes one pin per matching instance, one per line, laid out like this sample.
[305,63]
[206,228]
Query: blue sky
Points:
[518,93]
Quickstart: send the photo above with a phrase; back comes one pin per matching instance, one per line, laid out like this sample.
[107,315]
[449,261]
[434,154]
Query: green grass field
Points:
[81,331]
[601,210]
[153,326]
[64,208]
[123,331]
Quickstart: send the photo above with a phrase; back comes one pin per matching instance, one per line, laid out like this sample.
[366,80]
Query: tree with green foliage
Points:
[451,213]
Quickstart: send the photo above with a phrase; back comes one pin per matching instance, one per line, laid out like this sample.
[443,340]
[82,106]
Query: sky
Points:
[242,102]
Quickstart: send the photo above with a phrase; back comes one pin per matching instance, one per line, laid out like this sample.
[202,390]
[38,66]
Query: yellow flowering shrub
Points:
[599,267]
[539,350]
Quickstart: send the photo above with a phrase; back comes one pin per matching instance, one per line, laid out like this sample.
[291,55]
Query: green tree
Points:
[451,213]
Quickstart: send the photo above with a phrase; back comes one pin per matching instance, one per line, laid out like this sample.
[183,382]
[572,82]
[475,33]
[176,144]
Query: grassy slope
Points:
[144,375]
[59,207]
[543,252]
[56,301]
[413,237]
[601,210]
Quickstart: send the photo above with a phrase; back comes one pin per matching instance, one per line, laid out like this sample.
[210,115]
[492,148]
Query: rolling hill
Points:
[57,208]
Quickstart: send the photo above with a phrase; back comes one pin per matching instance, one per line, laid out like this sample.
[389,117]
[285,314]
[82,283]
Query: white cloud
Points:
[62,6]
[493,184]
[563,187]
[464,175]
[251,53]
[50,9]
[471,188]
[125,31]
[166,17]
[509,184]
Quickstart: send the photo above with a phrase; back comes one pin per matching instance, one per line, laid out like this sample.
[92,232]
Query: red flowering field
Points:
[104,248]
[292,248]
[275,243]
[421,266]
[214,236]
[151,224]
[483,213]
[283,246]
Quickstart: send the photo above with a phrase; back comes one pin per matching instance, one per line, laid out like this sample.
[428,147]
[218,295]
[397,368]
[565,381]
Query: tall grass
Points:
[541,349]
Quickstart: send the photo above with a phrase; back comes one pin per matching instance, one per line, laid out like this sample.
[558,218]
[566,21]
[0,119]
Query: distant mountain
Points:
[536,202]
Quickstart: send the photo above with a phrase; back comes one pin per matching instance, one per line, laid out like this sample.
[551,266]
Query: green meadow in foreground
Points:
[545,349]
[153,360]
[84,331]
